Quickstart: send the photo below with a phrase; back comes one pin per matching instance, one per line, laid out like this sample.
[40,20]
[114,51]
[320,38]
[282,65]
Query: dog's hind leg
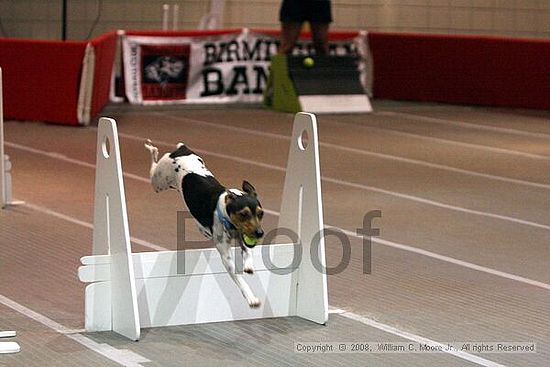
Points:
[224,248]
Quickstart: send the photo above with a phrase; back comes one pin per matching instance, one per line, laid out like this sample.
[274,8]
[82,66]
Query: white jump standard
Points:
[3,182]
[5,164]
[130,291]
[5,200]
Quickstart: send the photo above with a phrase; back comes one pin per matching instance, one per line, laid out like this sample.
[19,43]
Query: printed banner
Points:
[225,68]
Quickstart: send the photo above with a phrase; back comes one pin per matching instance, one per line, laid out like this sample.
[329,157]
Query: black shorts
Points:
[317,11]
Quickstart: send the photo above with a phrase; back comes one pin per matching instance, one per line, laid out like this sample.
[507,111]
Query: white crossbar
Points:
[129,291]
[184,263]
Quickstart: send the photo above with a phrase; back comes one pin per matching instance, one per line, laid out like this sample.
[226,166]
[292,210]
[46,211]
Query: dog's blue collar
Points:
[222,217]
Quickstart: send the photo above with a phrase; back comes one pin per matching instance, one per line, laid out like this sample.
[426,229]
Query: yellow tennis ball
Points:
[309,62]
[249,241]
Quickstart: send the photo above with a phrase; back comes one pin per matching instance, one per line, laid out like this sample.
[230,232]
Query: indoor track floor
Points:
[463,253]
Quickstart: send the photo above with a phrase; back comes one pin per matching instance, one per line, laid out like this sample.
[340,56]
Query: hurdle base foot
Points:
[8,334]
[9,347]
[13,203]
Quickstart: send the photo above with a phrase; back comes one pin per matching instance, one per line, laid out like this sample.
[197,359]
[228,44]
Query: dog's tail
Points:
[153,150]
[154,156]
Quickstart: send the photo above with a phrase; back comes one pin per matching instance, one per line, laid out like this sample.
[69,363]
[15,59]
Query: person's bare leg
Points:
[319,33]
[290,31]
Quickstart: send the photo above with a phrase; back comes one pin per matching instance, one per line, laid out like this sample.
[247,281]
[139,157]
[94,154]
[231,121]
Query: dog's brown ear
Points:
[249,189]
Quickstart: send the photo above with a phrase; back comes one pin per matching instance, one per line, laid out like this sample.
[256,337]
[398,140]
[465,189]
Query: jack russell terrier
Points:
[222,214]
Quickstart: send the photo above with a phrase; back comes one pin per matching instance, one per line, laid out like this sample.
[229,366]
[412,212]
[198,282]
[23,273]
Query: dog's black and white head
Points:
[245,211]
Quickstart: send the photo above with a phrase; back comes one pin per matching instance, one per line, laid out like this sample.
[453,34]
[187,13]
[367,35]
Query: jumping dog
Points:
[222,214]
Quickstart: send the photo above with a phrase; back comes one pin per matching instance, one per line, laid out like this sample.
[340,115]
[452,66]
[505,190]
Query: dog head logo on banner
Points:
[165,71]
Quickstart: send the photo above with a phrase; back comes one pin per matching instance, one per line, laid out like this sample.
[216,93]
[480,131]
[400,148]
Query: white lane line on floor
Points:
[225,127]
[448,259]
[443,167]
[468,125]
[202,151]
[420,339]
[49,323]
[433,255]
[124,357]
[335,310]
[449,142]
[82,223]
[440,204]
[360,187]
[121,356]
[282,169]
[366,153]
[378,240]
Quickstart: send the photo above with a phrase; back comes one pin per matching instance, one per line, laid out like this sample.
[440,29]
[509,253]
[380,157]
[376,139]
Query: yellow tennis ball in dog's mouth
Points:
[249,241]
[309,62]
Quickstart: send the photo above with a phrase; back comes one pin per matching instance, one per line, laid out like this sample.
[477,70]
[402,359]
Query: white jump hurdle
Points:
[5,199]
[129,291]
[4,188]
[5,164]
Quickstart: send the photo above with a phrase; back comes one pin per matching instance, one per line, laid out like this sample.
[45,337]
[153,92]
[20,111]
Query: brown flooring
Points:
[458,187]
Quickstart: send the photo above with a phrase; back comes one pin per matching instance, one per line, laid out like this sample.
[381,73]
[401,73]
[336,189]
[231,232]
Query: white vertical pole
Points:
[111,234]
[165,11]
[216,8]
[5,347]
[302,213]
[3,198]
[176,11]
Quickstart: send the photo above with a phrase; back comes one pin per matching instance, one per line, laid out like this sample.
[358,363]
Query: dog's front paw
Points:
[254,302]
[248,268]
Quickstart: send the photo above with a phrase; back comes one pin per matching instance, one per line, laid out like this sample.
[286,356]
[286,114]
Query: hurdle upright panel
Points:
[5,164]
[164,288]
[111,237]
[3,198]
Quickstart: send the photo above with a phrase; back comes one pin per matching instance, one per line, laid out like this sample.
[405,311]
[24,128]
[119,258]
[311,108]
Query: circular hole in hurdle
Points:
[106,147]
[303,140]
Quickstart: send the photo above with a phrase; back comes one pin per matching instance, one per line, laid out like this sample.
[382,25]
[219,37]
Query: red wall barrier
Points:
[461,69]
[41,79]
[105,49]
